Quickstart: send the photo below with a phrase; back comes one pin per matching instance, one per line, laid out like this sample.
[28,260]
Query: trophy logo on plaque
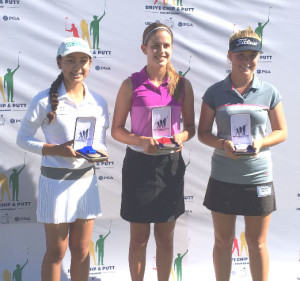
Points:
[83,139]
[241,134]
[162,128]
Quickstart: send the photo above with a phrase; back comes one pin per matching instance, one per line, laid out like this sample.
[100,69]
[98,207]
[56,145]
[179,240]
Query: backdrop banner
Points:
[30,35]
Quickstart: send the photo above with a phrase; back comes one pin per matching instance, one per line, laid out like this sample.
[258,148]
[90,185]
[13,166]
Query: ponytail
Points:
[175,82]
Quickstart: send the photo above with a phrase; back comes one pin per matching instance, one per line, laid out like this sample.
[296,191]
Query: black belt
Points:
[67,174]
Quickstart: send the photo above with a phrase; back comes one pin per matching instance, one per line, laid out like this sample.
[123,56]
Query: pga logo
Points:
[12,120]
[98,67]
[8,18]
[105,178]
[260,71]
[182,24]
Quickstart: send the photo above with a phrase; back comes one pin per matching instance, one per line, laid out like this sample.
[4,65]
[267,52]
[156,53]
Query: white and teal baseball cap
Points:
[72,45]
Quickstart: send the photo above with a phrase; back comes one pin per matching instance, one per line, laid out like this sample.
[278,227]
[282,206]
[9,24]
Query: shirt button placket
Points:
[159,92]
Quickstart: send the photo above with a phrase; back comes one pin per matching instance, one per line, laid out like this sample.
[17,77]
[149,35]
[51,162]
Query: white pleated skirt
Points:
[64,201]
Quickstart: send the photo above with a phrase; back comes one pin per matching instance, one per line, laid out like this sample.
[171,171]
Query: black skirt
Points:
[240,199]
[152,187]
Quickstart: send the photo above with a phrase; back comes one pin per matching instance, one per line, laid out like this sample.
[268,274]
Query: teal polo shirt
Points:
[257,101]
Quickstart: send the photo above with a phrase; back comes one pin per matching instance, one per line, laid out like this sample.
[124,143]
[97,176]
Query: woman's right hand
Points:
[149,144]
[64,149]
[228,147]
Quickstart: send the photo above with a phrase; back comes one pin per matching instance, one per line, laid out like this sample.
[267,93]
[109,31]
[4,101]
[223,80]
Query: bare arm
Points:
[279,129]
[118,130]
[206,121]
[206,136]
[278,134]
[188,115]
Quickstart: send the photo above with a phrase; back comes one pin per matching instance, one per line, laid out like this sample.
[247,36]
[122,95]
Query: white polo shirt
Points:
[62,129]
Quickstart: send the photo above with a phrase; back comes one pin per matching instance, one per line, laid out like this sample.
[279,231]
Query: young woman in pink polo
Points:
[153,178]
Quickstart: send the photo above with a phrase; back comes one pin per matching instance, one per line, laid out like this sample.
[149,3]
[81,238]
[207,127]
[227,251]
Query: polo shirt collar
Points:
[227,83]
[62,93]
[146,81]
[256,83]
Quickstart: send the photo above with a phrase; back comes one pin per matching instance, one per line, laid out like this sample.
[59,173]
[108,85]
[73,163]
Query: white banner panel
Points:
[30,34]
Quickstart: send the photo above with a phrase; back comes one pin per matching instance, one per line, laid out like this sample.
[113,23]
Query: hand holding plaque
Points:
[83,140]
[168,143]
[91,154]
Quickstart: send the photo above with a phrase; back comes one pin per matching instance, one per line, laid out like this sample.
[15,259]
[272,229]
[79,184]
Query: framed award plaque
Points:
[83,139]
[162,128]
[241,134]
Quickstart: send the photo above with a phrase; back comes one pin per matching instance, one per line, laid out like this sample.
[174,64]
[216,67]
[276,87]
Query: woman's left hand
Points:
[257,144]
[178,139]
[100,151]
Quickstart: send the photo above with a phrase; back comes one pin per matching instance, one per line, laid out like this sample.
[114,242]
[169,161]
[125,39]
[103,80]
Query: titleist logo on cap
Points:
[245,44]
[245,41]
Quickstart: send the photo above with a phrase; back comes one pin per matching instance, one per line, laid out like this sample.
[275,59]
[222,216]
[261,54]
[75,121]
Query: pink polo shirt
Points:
[145,96]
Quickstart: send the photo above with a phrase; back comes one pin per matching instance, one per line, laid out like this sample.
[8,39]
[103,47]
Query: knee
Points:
[56,254]
[79,252]
[223,241]
[164,239]
[139,239]
[256,244]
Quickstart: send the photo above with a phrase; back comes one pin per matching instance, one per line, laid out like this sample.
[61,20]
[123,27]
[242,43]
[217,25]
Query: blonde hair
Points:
[245,33]
[175,83]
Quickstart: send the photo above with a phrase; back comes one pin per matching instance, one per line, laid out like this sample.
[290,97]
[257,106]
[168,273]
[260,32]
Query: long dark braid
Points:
[53,96]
